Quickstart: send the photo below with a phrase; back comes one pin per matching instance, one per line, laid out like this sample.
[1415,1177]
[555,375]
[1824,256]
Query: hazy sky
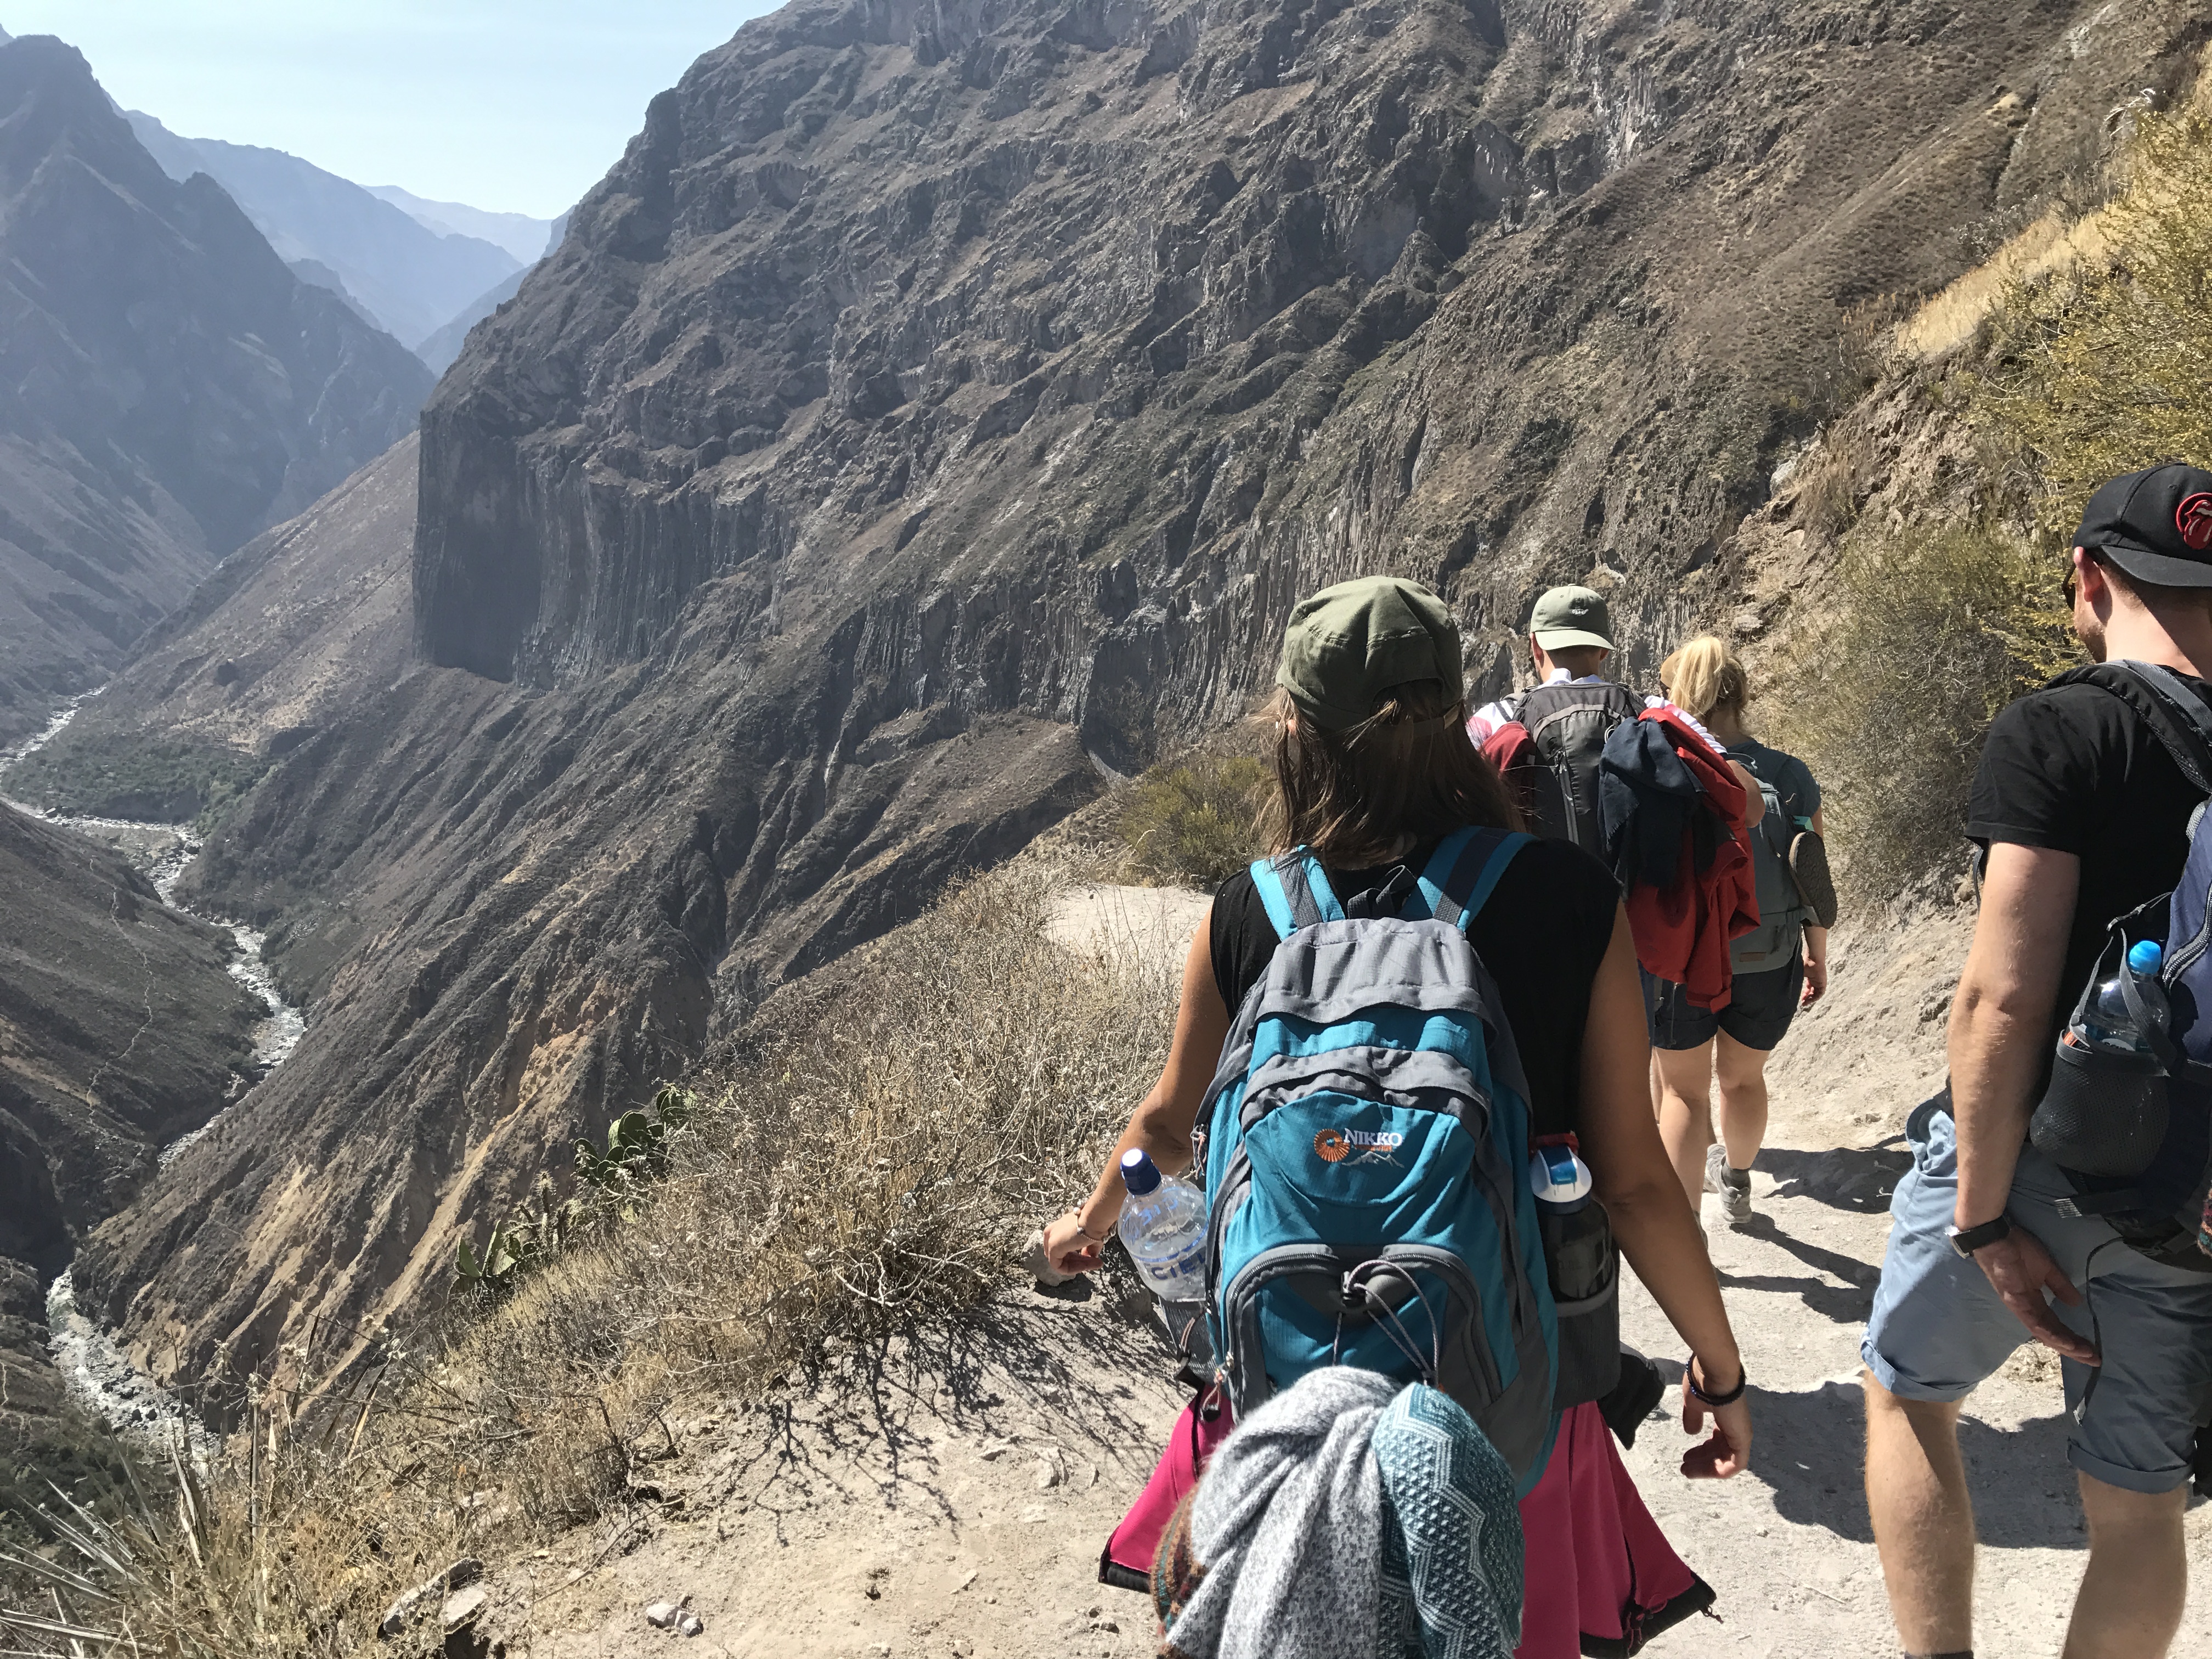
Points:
[517,106]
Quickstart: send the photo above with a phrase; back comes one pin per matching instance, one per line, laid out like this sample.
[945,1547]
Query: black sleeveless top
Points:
[1542,935]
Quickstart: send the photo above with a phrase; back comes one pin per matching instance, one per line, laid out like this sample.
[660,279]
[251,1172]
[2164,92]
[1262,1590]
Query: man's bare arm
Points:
[2000,1025]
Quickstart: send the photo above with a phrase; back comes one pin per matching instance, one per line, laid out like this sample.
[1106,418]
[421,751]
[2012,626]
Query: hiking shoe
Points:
[1734,1186]
[1808,868]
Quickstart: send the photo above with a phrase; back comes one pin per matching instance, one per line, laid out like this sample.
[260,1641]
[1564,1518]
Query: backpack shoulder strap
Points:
[1296,891]
[2177,716]
[1465,871]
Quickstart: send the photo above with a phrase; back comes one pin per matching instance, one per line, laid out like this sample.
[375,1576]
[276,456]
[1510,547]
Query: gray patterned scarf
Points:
[1353,1517]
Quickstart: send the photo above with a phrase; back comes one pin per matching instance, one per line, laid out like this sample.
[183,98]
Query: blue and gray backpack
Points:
[1366,1155]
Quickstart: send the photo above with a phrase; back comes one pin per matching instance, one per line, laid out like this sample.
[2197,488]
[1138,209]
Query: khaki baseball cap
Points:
[1567,617]
[1347,645]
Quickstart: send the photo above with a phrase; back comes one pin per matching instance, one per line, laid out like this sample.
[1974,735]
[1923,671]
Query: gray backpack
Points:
[1782,910]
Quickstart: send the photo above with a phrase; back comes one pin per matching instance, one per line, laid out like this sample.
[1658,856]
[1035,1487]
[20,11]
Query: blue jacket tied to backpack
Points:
[1367,1156]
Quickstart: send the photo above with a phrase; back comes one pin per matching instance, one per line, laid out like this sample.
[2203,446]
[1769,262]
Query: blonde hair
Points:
[1703,675]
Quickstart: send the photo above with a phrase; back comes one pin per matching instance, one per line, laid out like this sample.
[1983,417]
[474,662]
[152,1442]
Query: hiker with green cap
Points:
[1569,640]
[1399,899]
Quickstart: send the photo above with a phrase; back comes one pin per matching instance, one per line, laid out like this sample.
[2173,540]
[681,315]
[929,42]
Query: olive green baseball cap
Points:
[1567,617]
[1347,645]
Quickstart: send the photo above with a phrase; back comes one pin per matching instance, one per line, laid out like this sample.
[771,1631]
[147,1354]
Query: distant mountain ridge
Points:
[526,238]
[224,394]
[412,279]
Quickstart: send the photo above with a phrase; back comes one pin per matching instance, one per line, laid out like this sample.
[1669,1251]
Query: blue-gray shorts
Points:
[1939,1326]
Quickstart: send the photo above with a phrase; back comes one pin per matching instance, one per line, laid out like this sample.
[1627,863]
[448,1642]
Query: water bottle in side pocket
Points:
[2105,1111]
[1582,1269]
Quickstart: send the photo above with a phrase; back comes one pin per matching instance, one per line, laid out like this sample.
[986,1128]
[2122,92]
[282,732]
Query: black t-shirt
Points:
[2075,770]
[1542,935]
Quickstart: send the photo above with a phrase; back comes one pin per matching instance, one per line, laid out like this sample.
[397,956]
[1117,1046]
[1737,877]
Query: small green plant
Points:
[638,1151]
[534,1233]
[1191,824]
[637,1145]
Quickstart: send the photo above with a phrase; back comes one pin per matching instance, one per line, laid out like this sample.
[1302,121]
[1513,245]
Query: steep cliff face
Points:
[940,404]
[168,388]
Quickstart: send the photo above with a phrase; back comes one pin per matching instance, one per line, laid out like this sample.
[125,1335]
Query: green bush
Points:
[131,775]
[1887,695]
[1191,824]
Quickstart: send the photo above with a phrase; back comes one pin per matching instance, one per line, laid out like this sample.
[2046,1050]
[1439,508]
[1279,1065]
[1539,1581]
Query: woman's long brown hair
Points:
[1361,797]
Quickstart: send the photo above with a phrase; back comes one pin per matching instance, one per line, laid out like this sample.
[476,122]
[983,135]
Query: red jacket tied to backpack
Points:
[1671,826]
[1682,930]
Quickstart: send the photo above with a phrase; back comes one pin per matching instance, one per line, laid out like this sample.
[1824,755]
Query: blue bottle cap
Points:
[2144,957]
[1138,1173]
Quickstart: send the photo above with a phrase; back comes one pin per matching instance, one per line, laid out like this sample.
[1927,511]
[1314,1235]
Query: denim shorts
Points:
[1939,1326]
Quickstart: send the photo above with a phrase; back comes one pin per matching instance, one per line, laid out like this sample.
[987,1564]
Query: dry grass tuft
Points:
[2097,369]
[865,1160]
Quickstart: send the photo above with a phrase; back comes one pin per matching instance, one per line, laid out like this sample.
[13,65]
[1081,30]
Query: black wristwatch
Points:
[1967,1240]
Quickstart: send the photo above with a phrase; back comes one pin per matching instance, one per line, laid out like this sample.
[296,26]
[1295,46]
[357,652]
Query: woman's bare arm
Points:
[1164,1120]
[1657,1232]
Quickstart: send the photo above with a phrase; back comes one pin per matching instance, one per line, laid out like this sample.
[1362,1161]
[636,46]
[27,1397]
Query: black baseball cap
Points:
[2155,524]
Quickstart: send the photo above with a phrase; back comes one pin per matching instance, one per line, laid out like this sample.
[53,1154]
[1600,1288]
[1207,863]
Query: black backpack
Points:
[1569,724]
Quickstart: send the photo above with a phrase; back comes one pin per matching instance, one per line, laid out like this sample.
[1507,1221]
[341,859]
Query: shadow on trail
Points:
[1041,1372]
[1859,1179]
[1811,1451]
[1847,1303]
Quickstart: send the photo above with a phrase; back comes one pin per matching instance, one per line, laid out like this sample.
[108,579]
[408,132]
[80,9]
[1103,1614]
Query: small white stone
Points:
[1048,1474]
[464,1604]
[661,1615]
[690,1624]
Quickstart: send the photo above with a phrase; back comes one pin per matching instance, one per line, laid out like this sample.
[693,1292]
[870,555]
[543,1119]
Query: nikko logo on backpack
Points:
[1335,1145]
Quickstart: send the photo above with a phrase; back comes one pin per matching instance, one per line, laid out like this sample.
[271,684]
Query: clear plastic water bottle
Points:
[1163,1226]
[2110,1024]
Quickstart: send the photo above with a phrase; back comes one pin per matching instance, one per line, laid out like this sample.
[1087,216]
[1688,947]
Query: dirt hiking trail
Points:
[951,1499]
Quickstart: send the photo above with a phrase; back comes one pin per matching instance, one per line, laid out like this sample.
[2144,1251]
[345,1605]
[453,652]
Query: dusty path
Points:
[954,1503]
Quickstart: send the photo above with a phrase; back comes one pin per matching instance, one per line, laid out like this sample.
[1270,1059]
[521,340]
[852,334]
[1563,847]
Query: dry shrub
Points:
[1191,824]
[1886,694]
[866,1159]
[2097,369]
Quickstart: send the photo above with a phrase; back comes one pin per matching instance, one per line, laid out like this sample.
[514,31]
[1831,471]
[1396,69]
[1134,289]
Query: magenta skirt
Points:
[1602,1579]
